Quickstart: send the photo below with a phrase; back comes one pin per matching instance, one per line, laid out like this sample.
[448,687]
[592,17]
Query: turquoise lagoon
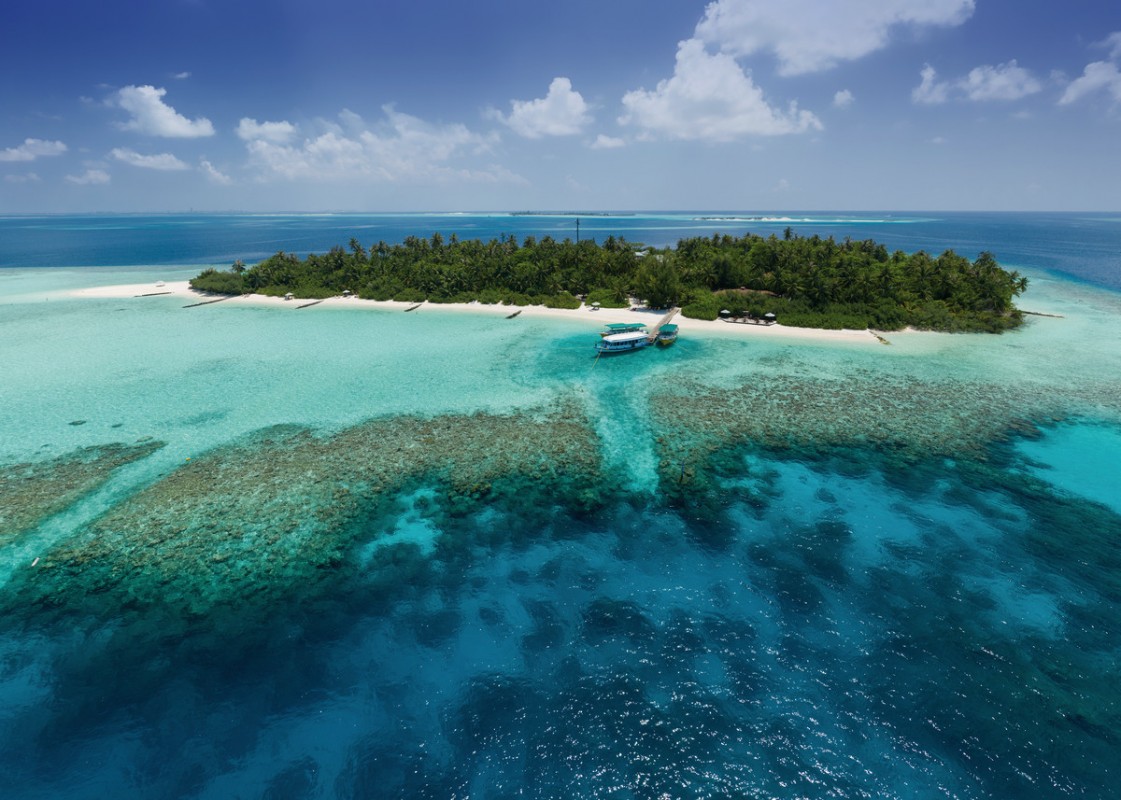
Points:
[343,552]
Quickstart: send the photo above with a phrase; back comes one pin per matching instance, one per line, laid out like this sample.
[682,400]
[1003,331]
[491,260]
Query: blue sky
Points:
[413,105]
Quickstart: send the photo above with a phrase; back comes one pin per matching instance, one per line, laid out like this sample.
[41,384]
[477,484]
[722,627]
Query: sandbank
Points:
[594,317]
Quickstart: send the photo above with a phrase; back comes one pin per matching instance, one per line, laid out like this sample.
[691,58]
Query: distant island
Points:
[571,214]
[806,282]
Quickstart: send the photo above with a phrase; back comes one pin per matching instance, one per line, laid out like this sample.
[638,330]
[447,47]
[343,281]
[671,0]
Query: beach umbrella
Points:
[724,312]
[595,305]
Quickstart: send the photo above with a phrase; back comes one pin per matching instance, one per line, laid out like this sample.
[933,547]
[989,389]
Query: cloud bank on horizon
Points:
[803,95]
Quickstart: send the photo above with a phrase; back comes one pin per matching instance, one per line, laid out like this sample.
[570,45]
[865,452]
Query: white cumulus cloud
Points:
[1007,81]
[930,91]
[32,149]
[28,177]
[91,177]
[401,147]
[604,142]
[843,99]
[161,161]
[213,174]
[277,132]
[1002,82]
[810,36]
[1097,77]
[561,112]
[152,116]
[710,98]
[1113,44]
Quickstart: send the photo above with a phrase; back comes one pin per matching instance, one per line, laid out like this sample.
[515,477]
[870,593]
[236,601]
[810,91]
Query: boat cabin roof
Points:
[623,327]
[626,336]
[669,327]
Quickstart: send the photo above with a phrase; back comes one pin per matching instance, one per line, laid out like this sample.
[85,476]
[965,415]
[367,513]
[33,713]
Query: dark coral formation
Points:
[244,522]
[32,491]
[904,417]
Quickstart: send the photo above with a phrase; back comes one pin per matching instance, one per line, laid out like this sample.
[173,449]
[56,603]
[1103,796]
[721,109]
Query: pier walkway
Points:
[658,326]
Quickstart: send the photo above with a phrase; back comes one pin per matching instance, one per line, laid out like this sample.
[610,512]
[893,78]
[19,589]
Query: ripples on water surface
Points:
[407,560]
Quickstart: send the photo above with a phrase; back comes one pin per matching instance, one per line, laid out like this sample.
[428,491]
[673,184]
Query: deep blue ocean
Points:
[249,552]
[1080,245]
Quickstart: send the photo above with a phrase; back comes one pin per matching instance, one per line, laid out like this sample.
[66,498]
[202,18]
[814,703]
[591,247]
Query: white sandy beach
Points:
[594,317]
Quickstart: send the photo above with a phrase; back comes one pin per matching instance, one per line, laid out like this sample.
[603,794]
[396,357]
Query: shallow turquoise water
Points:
[1083,459]
[731,568]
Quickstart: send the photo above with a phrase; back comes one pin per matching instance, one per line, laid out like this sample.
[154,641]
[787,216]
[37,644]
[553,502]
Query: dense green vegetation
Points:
[805,281]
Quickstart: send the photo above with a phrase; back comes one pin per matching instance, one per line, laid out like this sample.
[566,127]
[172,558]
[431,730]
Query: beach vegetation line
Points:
[809,282]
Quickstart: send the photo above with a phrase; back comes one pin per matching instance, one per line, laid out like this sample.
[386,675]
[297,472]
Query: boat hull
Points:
[606,350]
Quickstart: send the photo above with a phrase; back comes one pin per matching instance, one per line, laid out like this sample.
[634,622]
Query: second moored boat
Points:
[667,335]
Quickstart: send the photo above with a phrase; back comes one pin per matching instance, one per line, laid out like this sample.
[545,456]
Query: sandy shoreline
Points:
[594,318]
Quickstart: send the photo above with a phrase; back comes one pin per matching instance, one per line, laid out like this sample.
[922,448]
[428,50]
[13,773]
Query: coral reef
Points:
[243,523]
[32,491]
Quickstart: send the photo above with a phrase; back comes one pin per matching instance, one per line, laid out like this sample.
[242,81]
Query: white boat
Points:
[622,342]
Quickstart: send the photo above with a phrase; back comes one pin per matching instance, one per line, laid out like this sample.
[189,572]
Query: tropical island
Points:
[809,282]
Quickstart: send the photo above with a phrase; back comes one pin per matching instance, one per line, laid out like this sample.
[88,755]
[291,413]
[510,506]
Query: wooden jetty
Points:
[309,305]
[150,294]
[511,316]
[208,302]
[653,335]
[413,308]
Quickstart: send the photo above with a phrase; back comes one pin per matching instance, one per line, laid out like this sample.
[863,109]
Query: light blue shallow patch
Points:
[412,527]
[1083,458]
